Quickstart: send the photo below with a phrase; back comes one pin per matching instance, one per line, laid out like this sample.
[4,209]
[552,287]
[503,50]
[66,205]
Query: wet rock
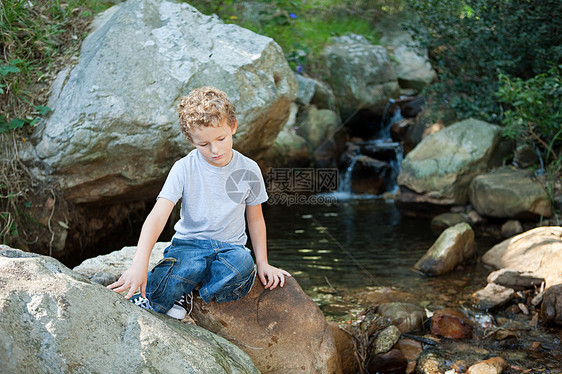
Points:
[443,221]
[382,295]
[407,317]
[537,251]
[282,330]
[454,246]
[55,320]
[411,349]
[385,340]
[517,280]
[494,365]
[431,361]
[391,362]
[551,307]
[346,348]
[451,323]
[505,338]
[510,193]
[511,228]
[493,296]
[370,176]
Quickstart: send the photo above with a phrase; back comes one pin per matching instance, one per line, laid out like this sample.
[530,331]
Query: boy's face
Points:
[215,143]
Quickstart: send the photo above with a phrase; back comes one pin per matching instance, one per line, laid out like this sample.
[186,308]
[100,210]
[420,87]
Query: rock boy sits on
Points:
[217,185]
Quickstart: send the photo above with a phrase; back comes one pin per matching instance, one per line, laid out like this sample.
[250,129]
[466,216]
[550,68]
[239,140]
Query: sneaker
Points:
[143,302]
[181,307]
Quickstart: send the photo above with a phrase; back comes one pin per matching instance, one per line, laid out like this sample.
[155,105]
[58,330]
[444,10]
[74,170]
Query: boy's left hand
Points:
[270,276]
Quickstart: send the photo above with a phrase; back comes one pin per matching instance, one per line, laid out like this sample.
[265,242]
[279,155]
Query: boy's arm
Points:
[135,276]
[270,276]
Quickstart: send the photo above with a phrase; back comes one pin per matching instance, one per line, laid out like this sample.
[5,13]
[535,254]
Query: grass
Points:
[303,28]
[35,40]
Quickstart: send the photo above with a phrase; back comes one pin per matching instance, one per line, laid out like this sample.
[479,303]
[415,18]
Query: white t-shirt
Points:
[214,198]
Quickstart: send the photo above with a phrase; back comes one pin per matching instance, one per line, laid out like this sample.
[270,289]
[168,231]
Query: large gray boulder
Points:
[509,193]
[360,74]
[114,132]
[440,168]
[56,321]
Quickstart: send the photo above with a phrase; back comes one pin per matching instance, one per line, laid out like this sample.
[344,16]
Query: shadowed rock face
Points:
[55,320]
[114,133]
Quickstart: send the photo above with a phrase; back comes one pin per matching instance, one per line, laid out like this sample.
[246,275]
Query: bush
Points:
[472,41]
[534,112]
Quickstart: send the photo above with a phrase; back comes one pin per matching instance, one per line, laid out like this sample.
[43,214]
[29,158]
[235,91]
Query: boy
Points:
[217,186]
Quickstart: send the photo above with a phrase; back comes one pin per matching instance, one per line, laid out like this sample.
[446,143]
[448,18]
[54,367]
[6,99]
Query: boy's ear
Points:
[235,127]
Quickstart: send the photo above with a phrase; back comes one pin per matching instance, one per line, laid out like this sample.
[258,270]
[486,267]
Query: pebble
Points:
[494,365]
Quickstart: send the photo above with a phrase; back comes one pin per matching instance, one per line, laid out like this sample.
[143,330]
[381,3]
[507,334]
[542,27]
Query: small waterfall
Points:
[345,180]
[381,151]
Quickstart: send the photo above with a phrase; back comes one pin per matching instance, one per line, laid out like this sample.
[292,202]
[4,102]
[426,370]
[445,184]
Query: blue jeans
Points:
[223,272]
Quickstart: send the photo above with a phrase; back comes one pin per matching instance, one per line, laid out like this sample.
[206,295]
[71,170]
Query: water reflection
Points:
[354,243]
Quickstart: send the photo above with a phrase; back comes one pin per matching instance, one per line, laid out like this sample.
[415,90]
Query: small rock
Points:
[494,365]
[511,228]
[411,349]
[443,221]
[391,362]
[431,361]
[386,339]
[493,296]
[451,323]
[551,307]
[407,317]
[454,246]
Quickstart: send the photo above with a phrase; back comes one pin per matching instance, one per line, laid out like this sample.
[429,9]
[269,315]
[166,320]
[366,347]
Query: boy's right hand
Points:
[132,279]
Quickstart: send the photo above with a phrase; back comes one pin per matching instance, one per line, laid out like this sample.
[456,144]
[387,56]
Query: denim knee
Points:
[177,273]
[230,276]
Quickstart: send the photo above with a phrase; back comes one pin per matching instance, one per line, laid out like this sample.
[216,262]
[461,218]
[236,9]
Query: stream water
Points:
[354,253]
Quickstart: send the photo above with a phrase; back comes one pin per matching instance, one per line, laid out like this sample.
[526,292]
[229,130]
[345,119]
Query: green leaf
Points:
[7,69]
[16,123]
[43,110]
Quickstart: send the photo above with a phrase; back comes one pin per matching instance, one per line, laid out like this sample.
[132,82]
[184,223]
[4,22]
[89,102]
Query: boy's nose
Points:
[214,148]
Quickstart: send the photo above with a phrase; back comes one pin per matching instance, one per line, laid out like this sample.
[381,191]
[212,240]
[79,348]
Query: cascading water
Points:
[381,152]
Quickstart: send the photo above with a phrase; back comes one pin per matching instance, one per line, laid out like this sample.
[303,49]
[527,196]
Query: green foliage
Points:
[534,111]
[33,35]
[302,27]
[472,41]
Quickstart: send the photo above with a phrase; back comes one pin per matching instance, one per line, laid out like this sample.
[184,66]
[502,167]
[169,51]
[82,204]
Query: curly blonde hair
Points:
[205,106]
